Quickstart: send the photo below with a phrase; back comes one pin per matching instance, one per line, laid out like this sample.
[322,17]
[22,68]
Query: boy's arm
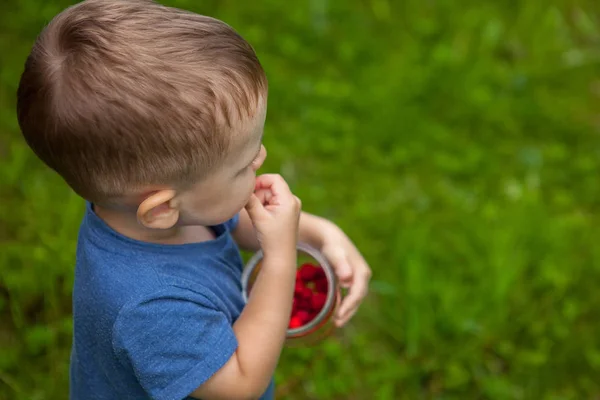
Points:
[350,267]
[260,330]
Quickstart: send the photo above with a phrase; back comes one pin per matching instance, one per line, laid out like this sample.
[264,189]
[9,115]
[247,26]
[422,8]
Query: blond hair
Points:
[120,94]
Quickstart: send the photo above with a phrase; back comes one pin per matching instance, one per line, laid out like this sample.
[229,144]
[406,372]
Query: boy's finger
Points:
[264,196]
[355,295]
[362,275]
[339,322]
[254,207]
[339,261]
[273,182]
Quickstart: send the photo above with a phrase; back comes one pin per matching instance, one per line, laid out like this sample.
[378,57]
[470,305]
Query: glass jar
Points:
[321,325]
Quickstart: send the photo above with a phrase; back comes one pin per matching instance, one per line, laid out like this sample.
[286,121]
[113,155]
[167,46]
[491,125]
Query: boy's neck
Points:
[128,225]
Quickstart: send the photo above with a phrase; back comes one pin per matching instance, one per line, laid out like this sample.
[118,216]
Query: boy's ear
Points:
[158,211]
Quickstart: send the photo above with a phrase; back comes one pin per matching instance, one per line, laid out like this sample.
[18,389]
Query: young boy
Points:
[155,117]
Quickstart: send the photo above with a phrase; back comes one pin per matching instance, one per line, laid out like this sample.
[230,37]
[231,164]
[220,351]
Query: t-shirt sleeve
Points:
[173,342]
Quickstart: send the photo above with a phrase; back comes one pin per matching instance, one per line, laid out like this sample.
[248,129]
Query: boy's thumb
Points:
[254,207]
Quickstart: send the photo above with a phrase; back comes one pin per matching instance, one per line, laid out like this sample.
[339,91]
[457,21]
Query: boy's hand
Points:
[350,267]
[275,214]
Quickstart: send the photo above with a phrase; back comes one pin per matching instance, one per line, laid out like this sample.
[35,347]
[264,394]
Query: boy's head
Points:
[149,108]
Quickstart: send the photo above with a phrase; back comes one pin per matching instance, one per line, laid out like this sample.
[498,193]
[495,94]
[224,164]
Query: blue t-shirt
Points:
[152,321]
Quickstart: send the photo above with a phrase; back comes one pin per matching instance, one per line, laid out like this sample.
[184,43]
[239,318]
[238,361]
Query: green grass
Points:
[458,144]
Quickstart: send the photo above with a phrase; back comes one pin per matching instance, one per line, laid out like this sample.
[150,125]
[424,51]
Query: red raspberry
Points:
[307,304]
[304,303]
[320,274]
[322,285]
[295,322]
[307,272]
[306,293]
[304,316]
[318,301]
[299,287]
